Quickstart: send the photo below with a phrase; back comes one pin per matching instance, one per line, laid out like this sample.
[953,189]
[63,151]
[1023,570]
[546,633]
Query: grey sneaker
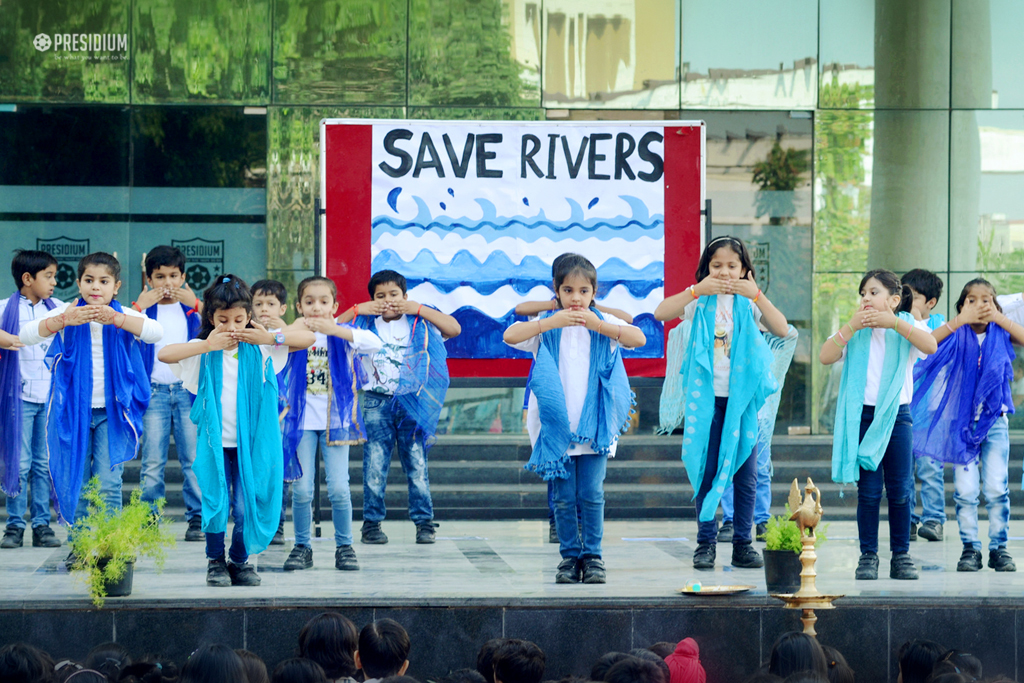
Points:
[552,532]
[425,532]
[1001,561]
[902,567]
[43,537]
[867,567]
[930,530]
[345,559]
[243,574]
[373,534]
[195,530]
[970,560]
[279,536]
[593,569]
[301,557]
[704,556]
[14,537]
[725,533]
[569,571]
[745,557]
[217,574]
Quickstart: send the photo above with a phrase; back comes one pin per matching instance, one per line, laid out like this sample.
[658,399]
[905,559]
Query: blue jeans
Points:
[933,495]
[744,484]
[387,424]
[169,409]
[215,542]
[896,472]
[993,481]
[584,488]
[336,464]
[763,492]
[32,466]
[97,464]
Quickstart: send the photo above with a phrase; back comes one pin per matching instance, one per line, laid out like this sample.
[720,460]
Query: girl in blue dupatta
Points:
[728,378]
[580,403]
[231,367]
[961,400]
[873,427]
[323,409]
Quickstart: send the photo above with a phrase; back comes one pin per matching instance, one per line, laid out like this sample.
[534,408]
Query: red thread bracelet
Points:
[136,306]
[419,309]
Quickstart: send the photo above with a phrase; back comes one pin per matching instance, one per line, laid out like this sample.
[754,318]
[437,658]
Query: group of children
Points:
[250,399]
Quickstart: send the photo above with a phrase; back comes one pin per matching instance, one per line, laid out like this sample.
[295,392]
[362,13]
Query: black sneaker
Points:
[425,532]
[243,574]
[373,534]
[745,557]
[195,530]
[725,533]
[1000,560]
[902,567]
[70,560]
[13,537]
[345,559]
[569,571]
[217,573]
[761,531]
[913,531]
[301,557]
[931,530]
[970,560]
[279,536]
[867,567]
[704,556]
[43,537]
[552,532]
[593,569]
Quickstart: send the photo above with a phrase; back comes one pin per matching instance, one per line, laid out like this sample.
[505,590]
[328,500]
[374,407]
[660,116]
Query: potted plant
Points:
[106,543]
[782,553]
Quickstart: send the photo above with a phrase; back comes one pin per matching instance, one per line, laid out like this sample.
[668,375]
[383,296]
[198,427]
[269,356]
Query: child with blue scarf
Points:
[580,402]
[231,367]
[99,389]
[872,442]
[728,379]
[961,400]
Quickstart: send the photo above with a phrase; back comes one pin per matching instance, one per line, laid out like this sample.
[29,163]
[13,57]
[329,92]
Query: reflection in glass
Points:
[475,114]
[847,53]
[912,54]
[186,51]
[741,53]
[339,51]
[611,53]
[985,49]
[290,279]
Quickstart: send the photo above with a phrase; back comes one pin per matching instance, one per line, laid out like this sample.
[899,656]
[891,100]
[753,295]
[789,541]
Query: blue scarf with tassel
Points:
[606,409]
[192,319]
[345,423]
[10,400]
[850,453]
[260,459]
[750,383]
[69,414]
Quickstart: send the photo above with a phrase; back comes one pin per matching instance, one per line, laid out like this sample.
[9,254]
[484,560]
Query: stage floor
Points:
[507,564]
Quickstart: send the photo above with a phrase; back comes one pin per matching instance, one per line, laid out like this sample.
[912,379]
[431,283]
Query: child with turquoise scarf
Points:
[728,378]
[873,437]
[231,367]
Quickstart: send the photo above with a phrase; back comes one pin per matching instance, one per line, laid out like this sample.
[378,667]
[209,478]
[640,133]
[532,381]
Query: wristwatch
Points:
[278,338]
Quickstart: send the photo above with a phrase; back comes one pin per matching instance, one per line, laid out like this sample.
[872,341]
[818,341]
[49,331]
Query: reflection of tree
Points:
[778,176]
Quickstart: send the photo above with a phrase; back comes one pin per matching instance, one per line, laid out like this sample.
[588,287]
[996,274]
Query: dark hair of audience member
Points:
[463,676]
[22,663]
[633,670]
[663,648]
[330,639]
[485,658]
[917,658]
[763,677]
[958,661]
[795,651]
[255,668]
[571,679]
[151,670]
[605,662]
[298,670]
[806,677]
[109,659]
[84,676]
[383,649]
[400,679]
[838,670]
[647,655]
[213,663]
[948,677]
[519,661]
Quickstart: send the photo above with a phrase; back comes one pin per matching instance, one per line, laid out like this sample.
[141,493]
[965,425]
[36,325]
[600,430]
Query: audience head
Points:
[958,662]
[213,664]
[794,652]
[85,676]
[916,660]
[763,677]
[149,670]
[109,659]
[633,670]
[647,655]
[485,658]
[948,677]
[298,670]
[663,649]
[400,679]
[806,677]
[255,668]
[22,663]
[518,661]
[383,649]
[838,670]
[463,676]
[605,662]
[330,640]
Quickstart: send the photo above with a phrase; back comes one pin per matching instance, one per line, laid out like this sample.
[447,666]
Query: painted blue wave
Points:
[481,336]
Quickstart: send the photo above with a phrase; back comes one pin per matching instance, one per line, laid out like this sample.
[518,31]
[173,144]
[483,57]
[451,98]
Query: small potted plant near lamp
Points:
[782,553]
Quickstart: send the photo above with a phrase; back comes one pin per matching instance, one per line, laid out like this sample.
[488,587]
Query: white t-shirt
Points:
[876,359]
[187,370]
[172,318]
[318,375]
[574,371]
[35,377]
[723,338]
[384,366]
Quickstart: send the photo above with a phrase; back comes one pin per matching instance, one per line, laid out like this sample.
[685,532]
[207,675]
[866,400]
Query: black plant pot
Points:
[122,587]
[782,571]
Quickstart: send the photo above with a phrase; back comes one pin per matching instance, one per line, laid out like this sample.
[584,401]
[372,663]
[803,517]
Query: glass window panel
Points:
[190,51]
[842,190]
[340,51]
[987,197]
[986,54]
[912,47]
[56,51]
[474,52]
[290,279]
[847,52]
[475,114]
[621,54]
[744,53]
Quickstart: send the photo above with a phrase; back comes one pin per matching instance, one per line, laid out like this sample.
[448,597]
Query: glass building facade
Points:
[842,134]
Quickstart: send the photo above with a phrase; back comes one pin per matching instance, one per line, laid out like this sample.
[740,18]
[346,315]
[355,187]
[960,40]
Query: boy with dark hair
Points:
[168,299]
[518,661]
[926,287]
[383,650]
[485,658]
[24,385]
[405,388]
